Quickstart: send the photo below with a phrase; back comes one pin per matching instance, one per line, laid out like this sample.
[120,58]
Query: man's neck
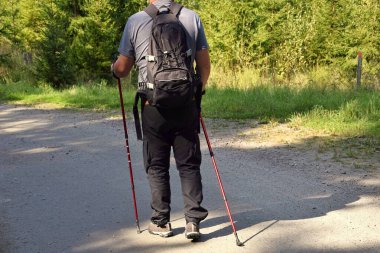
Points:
[159,3]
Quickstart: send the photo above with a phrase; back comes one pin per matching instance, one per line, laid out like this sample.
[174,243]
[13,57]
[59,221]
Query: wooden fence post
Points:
[359,69]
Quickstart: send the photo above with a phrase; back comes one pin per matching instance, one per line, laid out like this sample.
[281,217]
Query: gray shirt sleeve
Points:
[201,42]
[126,47]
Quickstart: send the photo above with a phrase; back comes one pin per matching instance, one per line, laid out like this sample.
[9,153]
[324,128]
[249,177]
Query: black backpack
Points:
[170,71]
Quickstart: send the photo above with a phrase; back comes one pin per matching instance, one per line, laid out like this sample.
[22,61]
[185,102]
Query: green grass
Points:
[95,96]
[341,112]
[338,111]
[358,115]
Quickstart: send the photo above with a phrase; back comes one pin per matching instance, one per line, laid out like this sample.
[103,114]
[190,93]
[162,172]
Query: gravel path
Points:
[64,187]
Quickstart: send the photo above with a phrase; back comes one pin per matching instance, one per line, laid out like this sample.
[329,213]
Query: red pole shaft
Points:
[217,174]
[128,151]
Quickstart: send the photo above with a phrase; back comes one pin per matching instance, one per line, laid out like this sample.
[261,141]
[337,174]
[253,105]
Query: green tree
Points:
[53,63]
[75,39]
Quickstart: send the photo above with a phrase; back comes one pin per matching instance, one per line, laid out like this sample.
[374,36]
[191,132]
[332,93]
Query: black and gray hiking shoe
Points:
[192,231]
[163,231]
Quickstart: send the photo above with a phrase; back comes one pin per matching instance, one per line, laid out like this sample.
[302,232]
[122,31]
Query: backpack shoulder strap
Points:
[175,8]
[151,10]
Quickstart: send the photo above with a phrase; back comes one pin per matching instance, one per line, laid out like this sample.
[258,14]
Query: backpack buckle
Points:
[150,58]
[150,86]
[144,86]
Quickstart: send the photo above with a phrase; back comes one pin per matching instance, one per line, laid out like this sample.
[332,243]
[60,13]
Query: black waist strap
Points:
[137,117]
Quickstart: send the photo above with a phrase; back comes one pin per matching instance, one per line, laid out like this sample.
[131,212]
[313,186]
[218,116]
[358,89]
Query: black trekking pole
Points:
[129,155]
[238,243]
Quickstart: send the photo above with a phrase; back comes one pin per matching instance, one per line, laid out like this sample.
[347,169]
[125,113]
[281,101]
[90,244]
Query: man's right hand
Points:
[122,66]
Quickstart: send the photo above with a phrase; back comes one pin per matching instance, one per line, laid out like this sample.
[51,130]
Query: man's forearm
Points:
[204,73]
[202,59]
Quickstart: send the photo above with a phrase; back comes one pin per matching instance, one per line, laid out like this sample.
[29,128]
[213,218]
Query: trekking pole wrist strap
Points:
[137,117]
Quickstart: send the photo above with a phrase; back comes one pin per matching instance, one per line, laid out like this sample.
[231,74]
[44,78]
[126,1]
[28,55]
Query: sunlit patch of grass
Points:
[98,96]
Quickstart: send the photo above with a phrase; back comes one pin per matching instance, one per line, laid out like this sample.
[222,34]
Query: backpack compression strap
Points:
[151,10]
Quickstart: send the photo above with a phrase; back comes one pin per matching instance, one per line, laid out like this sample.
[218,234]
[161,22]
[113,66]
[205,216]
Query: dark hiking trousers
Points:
[162,130]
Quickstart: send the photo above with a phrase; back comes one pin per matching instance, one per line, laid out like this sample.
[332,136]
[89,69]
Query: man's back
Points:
[137,32]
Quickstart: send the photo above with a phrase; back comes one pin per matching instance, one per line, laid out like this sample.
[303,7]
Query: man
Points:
[167,128]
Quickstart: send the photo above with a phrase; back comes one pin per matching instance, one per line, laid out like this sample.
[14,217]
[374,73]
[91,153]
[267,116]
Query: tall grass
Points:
[271,102]
[321,77]
[321,99]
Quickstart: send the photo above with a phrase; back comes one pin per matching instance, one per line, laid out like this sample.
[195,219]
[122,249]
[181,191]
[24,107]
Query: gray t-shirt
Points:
[137,32]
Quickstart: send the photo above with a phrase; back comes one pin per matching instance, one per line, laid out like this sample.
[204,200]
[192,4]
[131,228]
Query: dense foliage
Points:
[62,41]
[289,36]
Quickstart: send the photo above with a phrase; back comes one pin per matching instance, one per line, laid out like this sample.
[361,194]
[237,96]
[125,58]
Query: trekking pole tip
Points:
[239,243]
[138,227]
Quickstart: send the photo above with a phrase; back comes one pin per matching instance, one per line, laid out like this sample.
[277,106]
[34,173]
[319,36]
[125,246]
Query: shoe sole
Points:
[162,234]
[193,235]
